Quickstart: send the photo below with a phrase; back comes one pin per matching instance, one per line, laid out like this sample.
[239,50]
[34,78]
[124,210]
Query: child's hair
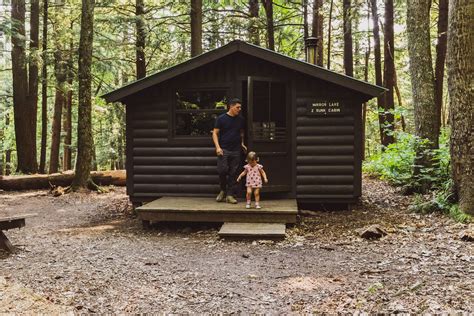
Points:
[252,156]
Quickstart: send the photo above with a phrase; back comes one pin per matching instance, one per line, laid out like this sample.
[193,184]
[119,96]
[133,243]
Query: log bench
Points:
[11,222]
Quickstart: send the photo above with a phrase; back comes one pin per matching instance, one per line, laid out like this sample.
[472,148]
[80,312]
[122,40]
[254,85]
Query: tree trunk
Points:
[422,82]
[36,182]
[329,33]
[254,34]
[460,82]
[24,115]
[44,90]
[366,78]
[84,127]
[8,151]
[389,69]
[441,48]
[268,6]
[60,73]
[347,21]
[378,67]
[140,61]
[317,30]
[67,117]
[196,27]
[33,70]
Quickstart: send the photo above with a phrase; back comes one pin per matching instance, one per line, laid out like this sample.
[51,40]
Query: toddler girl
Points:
[255,173]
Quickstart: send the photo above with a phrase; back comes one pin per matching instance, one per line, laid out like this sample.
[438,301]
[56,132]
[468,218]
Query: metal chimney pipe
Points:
[311,44]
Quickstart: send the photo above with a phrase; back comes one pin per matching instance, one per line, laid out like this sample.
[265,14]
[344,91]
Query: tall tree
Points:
[460,82]
[317,30]
[378,66]
[67,117]
[422,79]
[254,34]
[441,48]
[348,54]
[329,33]
[60,72]
[268,6]
[82,177]
[388,75]
[25,116]
[44,90]
[196,27]
[140,62]
[33,69]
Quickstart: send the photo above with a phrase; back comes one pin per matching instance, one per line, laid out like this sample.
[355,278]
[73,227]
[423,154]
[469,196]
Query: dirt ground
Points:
[87,253]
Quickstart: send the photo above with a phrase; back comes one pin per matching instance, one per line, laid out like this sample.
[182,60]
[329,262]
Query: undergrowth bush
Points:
[396,165]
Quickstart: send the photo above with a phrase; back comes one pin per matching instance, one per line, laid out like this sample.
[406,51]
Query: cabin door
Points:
[268,129]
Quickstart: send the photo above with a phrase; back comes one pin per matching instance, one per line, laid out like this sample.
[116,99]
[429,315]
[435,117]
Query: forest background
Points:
[401,45]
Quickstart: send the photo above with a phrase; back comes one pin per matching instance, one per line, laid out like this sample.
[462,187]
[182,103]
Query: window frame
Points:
[175,111]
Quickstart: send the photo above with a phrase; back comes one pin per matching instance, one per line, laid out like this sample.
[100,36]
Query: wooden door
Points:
[268,129]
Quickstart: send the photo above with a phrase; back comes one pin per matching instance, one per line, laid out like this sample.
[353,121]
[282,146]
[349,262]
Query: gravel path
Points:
[87,253]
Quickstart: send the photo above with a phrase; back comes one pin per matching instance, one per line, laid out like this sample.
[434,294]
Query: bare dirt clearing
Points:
[87,253]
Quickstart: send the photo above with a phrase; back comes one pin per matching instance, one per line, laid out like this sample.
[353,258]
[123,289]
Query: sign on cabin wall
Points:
[325,108]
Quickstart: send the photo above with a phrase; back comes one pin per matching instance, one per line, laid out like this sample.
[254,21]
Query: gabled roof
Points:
[253,50]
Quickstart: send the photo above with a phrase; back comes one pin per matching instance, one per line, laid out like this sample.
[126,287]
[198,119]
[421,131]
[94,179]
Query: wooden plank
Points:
[175,151]
[190,204]
[327,179]
[216,217]
[150,132]
[178,160]
[323,189]
[325,130]
[325,170]
[176,179]
[323,121]
[252,230]
[325,150]
[14,217]
[325,140]
[325,160]
[162,189]
[185,170]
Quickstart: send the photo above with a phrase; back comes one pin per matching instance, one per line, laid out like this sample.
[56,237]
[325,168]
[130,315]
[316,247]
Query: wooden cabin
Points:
[304,121]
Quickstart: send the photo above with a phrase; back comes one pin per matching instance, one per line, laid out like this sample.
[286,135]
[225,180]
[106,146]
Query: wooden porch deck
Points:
[193,209]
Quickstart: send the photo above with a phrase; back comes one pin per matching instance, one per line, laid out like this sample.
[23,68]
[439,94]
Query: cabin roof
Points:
[252,50]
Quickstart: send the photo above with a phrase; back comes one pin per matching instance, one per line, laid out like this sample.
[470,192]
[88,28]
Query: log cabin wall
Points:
[325,153]
[160,163]
[328,146]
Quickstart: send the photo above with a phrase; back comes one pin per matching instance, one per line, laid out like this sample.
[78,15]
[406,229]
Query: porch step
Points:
[193,209]
[265,230]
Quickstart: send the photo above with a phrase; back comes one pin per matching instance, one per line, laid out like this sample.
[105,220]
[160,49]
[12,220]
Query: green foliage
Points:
[396,165]
[440,200]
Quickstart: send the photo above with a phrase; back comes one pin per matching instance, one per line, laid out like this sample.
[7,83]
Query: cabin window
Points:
[196,111]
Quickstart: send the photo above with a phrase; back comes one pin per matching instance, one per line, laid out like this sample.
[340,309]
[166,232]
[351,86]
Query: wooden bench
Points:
[11,222]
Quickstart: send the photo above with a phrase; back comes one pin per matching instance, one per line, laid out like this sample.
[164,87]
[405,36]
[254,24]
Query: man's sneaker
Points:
[220,197]
[248,205]
[231,199]
[258,206]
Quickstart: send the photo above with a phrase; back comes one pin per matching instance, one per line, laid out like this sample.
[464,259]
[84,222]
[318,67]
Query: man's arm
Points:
[242,137]
[215,139]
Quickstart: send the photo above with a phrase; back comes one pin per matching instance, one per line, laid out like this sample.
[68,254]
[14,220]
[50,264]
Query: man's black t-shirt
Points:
[229,131]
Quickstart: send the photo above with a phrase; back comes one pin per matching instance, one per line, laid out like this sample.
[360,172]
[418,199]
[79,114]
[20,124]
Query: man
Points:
[228,137]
